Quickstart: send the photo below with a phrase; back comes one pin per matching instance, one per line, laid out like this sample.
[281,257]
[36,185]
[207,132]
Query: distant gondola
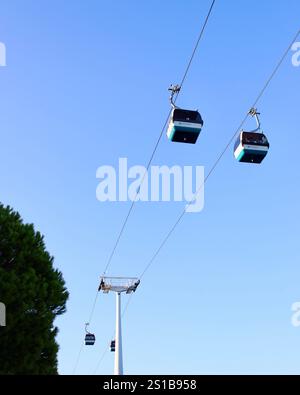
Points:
[90,338]
[113,346]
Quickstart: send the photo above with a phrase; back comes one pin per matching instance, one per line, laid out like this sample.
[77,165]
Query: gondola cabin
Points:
[113,346]
[90,339]
[184,126]
[251,147]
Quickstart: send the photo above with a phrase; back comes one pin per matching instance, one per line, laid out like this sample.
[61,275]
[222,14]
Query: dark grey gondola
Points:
[113,346]
[90,339]
[184,125]
[252,146]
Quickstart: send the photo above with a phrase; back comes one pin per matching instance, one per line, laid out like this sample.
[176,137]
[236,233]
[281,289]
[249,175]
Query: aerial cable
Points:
[86,325]
[252,112]
[147,167]
[160,135]
[152,155]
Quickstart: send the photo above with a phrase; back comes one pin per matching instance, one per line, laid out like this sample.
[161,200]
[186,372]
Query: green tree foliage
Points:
[34,294]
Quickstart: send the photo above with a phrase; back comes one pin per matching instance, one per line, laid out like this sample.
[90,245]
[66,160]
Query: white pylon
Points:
[118,352]
[118,285]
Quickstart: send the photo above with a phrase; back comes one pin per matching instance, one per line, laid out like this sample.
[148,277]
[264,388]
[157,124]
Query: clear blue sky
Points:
[86,83]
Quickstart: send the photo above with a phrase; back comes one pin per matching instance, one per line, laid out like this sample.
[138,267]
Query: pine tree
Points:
[34,294]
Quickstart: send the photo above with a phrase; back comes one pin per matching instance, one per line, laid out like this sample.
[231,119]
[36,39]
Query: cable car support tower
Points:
[118,285]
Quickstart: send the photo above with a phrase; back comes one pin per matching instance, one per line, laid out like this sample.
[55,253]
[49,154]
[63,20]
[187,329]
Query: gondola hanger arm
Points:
[174,89]
[254,113]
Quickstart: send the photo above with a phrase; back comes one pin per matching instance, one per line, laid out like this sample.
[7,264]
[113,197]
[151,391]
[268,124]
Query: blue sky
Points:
[85,84]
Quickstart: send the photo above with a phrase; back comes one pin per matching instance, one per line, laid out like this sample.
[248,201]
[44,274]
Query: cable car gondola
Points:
[113,346]
[89,337]
[184,125]
[253,146]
